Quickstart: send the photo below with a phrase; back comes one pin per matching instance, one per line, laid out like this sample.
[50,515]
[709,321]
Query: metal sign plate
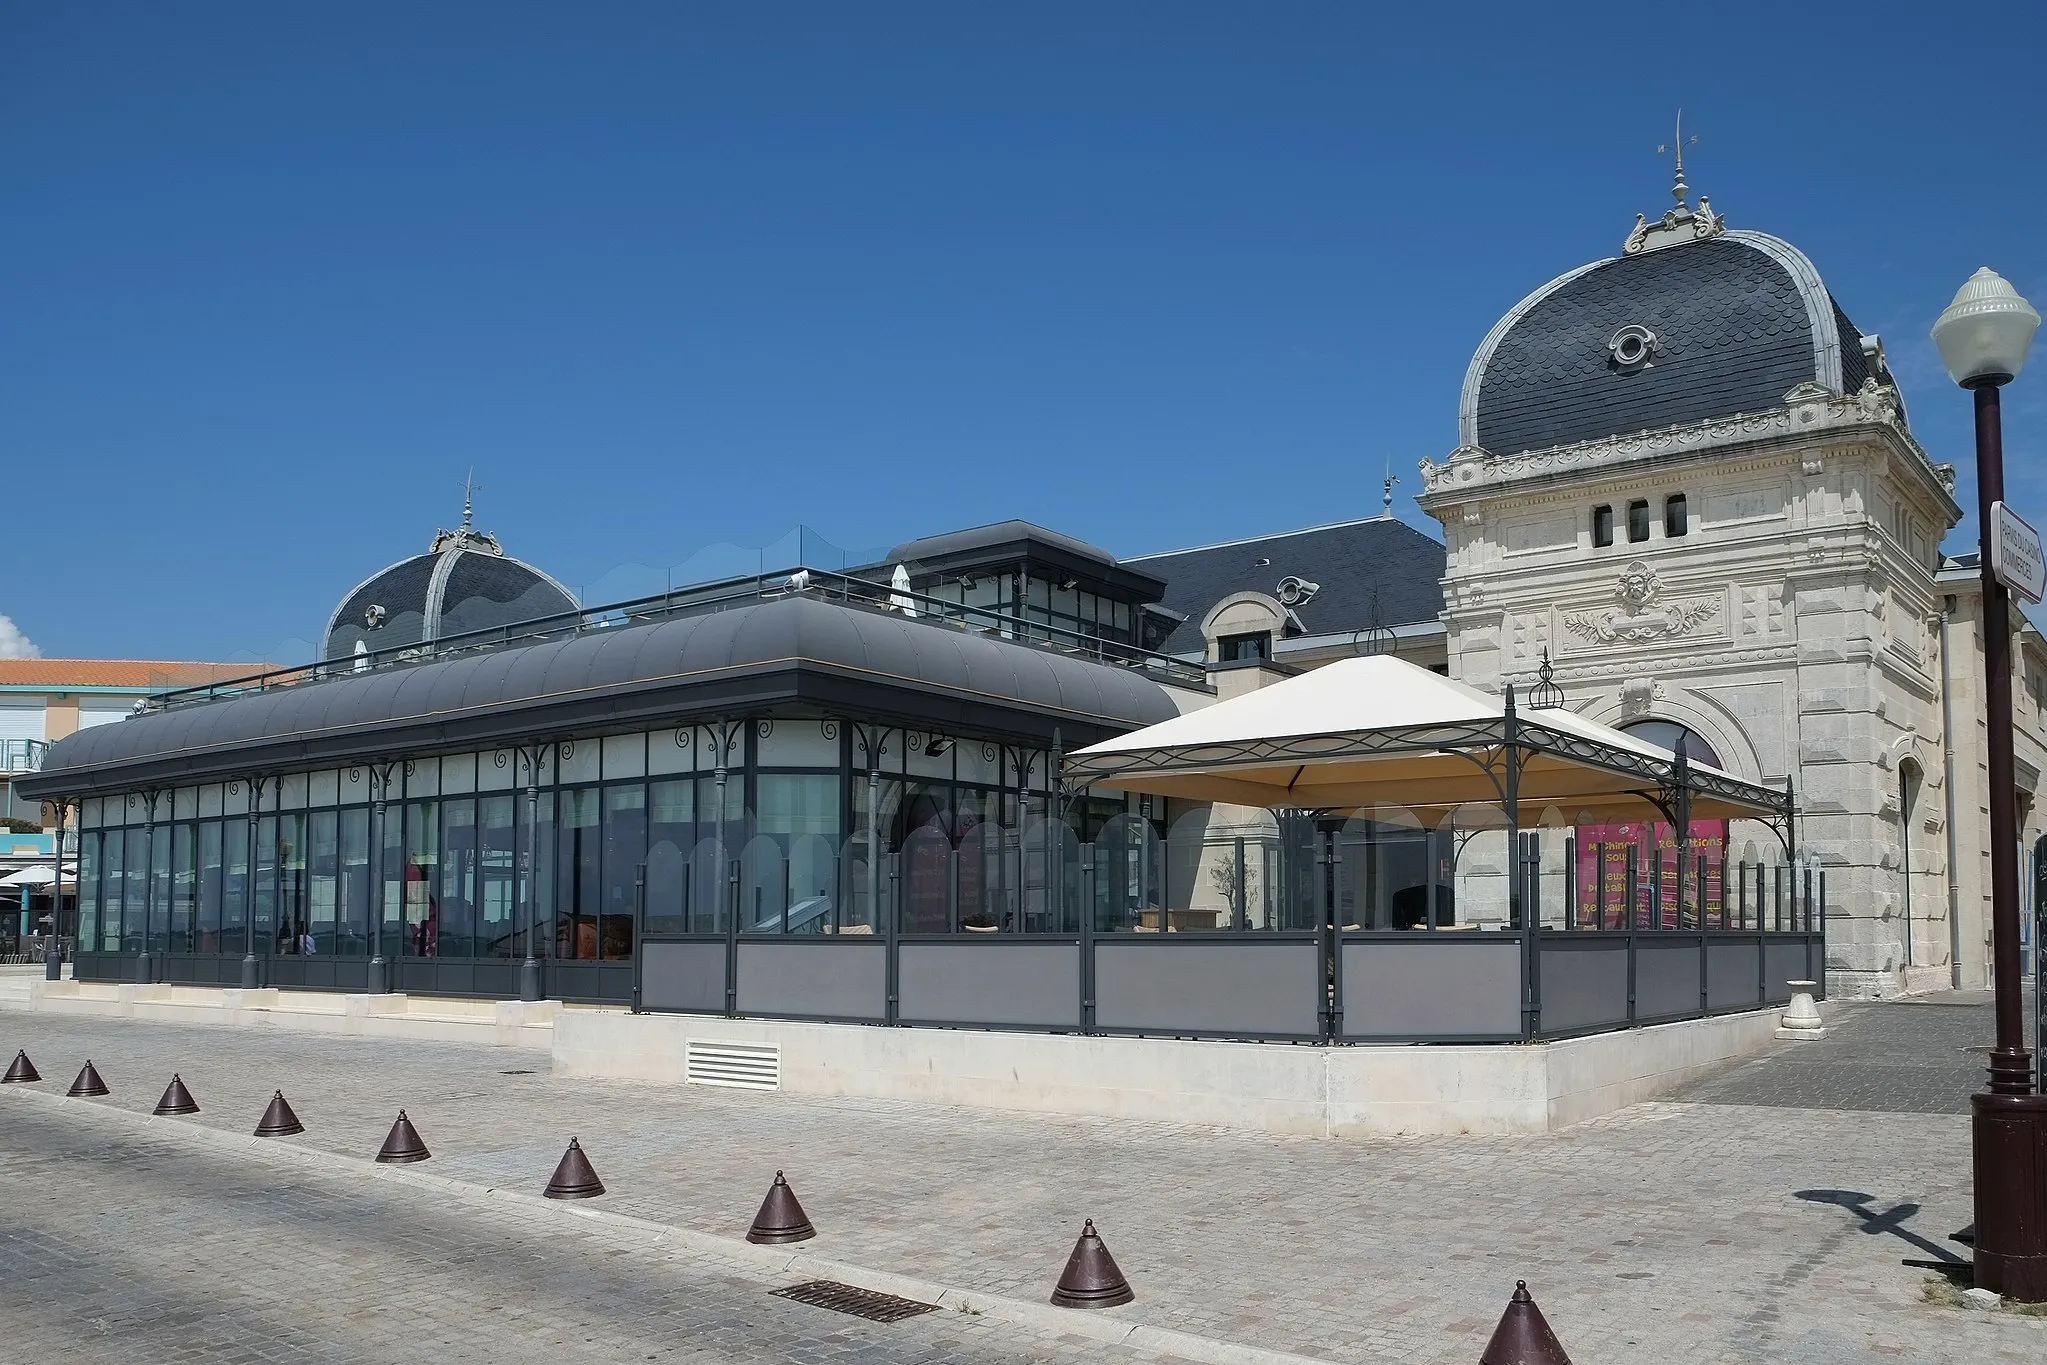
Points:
[2016,556]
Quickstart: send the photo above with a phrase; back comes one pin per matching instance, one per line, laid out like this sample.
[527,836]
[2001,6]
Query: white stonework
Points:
[1797,627]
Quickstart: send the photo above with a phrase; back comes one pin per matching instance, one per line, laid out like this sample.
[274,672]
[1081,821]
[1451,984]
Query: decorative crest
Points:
[1681,223]
[466,536]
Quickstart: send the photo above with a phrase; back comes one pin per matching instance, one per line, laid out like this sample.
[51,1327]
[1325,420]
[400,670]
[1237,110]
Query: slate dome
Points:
[464,582]
[1693,322]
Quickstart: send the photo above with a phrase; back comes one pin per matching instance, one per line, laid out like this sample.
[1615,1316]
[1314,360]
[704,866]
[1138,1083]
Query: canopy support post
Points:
[1518,912]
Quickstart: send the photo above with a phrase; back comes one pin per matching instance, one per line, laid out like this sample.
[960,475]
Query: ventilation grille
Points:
[740,1066]
[861,1303]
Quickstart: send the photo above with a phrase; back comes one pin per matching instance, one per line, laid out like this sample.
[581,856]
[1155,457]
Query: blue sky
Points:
[273,277]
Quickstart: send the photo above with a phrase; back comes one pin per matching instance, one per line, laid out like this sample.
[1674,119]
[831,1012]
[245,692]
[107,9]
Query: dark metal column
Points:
[529,970]
[252,967]
[379,979]
[53,952]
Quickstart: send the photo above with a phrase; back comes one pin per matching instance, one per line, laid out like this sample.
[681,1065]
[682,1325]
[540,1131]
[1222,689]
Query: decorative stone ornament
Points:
[1801,1020]
[1631,348]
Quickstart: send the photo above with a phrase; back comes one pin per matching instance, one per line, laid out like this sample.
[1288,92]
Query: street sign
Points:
[2015,553]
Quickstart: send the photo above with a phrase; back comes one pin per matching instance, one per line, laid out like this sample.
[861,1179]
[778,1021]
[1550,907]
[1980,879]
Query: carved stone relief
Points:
[1640,613]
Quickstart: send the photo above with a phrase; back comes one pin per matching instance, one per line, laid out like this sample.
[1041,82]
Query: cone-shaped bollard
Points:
[574,1178]
[88,1082]
[781,1218]
[1091,1279]
[176,1099]
[403,1145]
[1523,1336]
[21,1070]
[278,1120]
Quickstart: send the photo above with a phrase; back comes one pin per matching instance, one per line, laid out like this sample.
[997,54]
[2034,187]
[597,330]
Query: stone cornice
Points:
[1809,411]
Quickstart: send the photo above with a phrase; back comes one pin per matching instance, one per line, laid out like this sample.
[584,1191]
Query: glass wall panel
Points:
[800,812]
[625,848]
[184,937]
[113,889]
[456,898]
[234,901]
[159,923]
[212,884]
[671,835]
[293,929]
[419,934]
[88,891]
[264,895]
[323,882]
[352,900]
[388,933]
[497,913]
[579,863]
[136,866]
[538,865]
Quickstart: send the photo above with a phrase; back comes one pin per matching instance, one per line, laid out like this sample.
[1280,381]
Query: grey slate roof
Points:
[1352,561]
[788,650]
[447,592]
[1739,319]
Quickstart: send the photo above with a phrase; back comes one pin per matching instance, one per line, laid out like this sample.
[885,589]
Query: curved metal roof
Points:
[764,654]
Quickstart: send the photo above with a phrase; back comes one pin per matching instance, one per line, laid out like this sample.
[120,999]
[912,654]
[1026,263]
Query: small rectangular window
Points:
[1234,648]
[1638,520]
[1602,524]
[1676,519]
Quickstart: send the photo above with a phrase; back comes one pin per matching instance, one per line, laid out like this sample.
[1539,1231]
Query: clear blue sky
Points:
[273,277]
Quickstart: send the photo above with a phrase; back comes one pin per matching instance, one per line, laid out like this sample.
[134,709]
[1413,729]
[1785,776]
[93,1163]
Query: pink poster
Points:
[1603,866]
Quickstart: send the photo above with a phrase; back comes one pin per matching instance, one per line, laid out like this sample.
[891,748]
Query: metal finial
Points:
[1679,190]
[1391,479]
[1545,693]
[469,487]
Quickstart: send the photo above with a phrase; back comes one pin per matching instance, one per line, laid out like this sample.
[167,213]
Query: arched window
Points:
[1664,734]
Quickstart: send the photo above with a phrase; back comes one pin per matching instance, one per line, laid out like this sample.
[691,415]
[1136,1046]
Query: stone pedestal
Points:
[1801,1020]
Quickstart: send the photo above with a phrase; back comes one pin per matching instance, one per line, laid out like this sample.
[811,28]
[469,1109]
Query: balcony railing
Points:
[22,755]
[701,600]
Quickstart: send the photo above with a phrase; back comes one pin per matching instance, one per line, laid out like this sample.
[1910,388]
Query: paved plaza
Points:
[1764,1215]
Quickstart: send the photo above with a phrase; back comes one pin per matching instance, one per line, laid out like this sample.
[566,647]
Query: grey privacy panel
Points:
[1666,980]
[1733,974]
[1015,983]
[1432,986]
[817,979]
[1584,983]
[1244,988]
[683,976]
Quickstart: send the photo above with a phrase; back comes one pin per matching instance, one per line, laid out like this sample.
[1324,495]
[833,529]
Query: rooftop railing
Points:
[704,599]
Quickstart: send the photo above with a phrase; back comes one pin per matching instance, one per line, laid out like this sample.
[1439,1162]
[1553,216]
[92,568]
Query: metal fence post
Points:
[1087,938]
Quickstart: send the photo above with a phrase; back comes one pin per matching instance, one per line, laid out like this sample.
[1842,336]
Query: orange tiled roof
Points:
[142,674]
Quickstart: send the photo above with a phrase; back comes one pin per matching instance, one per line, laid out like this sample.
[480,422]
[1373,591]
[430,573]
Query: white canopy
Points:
[40,875]
[1379,731]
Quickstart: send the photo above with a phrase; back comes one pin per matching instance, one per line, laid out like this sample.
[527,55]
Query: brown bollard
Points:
[403,1145]
[176,1099]
[1091,1278]
[574,1177]
[21,1070]
[278,1120]
[781,1218]
[1523,1336]
[88,1082]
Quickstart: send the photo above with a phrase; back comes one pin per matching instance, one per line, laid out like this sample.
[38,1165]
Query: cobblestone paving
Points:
[1671,1233]
[1921,1056]
[143,1247]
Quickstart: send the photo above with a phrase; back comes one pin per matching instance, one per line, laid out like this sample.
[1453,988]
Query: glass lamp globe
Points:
[1984,333]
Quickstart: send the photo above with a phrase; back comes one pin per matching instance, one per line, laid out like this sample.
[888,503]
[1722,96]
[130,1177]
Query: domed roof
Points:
[464,582]
[1692,322]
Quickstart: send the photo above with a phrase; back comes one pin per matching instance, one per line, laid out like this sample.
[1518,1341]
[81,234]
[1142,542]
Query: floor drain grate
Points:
[519,1071]
[861,1303]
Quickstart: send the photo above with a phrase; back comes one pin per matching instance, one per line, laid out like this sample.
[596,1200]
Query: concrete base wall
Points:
[1306,1090]
[506,1023]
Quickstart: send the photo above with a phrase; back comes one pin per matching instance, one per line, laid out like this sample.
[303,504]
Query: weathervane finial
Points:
[1679,190]
[1387,496]
[469,487]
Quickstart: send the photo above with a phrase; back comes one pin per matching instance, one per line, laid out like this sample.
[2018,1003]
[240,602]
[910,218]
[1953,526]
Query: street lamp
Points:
[1983,337]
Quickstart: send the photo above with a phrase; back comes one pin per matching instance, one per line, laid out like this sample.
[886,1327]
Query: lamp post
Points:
[1983,337]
